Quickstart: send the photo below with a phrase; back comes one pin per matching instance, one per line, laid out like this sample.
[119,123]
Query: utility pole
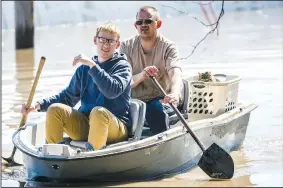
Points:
[24,24]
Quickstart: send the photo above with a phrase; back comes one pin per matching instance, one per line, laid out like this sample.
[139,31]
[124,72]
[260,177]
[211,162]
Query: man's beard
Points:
[146,38]
[145,34]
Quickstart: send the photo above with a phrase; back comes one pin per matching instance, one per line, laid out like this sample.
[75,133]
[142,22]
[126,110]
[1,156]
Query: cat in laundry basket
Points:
[207,77]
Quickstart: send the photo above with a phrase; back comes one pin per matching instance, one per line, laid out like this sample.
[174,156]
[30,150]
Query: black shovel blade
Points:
[217,163]
[10,162]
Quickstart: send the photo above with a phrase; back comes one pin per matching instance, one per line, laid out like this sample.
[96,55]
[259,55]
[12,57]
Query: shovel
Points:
[10,160]
[215,161]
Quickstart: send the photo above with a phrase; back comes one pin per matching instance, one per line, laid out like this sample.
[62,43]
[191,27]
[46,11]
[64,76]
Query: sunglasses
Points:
[111,42]
[145,21]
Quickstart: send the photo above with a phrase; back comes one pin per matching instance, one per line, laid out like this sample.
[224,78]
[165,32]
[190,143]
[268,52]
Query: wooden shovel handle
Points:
[31,94]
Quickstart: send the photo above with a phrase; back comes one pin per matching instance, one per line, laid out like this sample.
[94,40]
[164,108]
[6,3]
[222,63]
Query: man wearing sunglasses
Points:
[151,54]
[103,86]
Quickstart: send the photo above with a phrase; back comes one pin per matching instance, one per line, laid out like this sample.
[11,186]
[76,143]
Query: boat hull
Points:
[167,156]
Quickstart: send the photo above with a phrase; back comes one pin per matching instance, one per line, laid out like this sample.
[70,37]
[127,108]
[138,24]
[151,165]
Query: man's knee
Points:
[54,109]
[154,106]
[98,114]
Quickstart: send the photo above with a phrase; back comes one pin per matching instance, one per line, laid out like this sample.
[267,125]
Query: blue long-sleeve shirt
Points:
[107,84]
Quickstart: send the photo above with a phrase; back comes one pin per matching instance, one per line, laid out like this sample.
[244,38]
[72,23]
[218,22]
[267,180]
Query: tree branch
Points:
[211,31]
[182,12]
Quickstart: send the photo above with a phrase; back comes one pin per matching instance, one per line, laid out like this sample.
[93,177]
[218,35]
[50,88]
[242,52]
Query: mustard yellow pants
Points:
[100,128]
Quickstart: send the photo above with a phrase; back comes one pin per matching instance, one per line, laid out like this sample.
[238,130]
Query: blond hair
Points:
[108,27]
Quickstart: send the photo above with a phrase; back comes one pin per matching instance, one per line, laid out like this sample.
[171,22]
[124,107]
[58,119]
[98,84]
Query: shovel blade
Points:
[9,162]
[217,163]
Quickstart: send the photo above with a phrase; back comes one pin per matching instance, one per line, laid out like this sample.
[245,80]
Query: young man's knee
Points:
[54,108]
[98,114]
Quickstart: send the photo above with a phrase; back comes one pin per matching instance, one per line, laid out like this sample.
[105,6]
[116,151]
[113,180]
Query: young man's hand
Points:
[83,60]
[26,110]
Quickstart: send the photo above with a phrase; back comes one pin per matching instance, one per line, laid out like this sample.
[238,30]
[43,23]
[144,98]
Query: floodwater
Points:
[249,45]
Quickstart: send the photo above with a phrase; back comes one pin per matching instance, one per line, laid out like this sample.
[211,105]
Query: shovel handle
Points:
[180,116]
[31,94]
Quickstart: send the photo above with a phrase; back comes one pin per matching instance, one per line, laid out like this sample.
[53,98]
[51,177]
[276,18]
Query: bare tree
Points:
[207,25]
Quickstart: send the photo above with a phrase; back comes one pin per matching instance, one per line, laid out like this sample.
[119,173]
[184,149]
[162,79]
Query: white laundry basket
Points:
[209,99]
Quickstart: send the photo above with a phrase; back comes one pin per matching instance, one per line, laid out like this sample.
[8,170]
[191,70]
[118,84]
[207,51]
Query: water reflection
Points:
[24,78]
[16,96]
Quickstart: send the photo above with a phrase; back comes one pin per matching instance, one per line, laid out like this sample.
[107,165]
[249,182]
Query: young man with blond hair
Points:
[151,54]
[102,84]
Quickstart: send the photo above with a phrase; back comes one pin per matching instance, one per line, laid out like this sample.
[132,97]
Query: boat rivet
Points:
[56,167]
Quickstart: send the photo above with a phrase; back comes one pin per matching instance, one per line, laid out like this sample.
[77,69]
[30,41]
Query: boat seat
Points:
[185,97]
[137,111]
